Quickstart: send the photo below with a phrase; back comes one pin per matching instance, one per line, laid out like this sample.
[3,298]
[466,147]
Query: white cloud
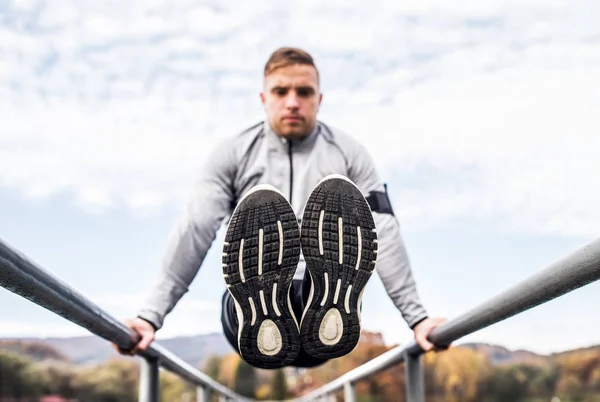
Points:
[515,146]
[207,21]
[19,329]
[51,17]
[492,103]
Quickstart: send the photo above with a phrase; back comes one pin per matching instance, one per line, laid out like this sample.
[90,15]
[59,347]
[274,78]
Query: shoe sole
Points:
[260,257]
[339,243]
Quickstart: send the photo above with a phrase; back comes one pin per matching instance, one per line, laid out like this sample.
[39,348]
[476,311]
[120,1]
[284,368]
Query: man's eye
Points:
[280,92]
[304,92]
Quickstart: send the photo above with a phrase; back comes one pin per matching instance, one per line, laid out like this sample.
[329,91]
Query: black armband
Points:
[380,201]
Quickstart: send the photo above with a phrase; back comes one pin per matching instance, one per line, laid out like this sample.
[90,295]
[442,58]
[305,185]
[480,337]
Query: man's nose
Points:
[292,101]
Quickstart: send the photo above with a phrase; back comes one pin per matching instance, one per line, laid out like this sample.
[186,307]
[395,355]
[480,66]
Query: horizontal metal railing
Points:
[23,277]
[580,268]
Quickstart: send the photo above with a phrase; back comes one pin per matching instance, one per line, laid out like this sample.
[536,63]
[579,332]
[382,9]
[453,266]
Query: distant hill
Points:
[196,349]
[35,350]
[592,348]
[92,350]
[499,355]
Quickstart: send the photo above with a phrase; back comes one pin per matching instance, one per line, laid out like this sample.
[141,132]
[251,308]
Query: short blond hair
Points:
[287,56]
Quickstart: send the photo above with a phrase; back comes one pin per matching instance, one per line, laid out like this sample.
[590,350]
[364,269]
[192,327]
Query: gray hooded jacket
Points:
[258,156]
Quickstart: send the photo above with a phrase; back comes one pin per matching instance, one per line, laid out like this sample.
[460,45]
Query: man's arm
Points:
[393,264]
[193,234]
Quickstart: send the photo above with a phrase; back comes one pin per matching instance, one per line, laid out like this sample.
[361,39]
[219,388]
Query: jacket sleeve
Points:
[209,204]
[392,264]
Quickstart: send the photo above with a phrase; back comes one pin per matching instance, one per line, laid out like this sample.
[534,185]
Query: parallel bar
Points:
[25,278]
[349,394]
[578,269]
[415,389]
[385,360]
[149,380]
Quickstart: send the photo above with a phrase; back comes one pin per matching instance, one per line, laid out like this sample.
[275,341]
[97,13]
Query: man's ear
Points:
[262,98]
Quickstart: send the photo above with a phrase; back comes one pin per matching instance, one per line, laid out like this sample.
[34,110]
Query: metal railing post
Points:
[415,389]
[149,380]
[349,395]
[202,394]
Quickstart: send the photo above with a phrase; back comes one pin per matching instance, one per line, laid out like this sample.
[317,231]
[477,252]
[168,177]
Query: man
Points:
[294,288]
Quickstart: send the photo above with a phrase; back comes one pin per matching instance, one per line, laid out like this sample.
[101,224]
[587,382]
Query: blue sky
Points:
[482,118]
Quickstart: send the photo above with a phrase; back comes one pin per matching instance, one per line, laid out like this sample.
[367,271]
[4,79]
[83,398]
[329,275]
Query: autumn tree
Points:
[227,369]
[543,381]
[58,378]
[457,374]
[245,379]
[279,386]
[116,380]
[16,377]
[212,365]
[569,386]
[174,388]
[594,380]
[506,384]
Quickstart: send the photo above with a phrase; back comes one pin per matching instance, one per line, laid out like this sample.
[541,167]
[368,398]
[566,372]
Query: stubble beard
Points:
[295,132]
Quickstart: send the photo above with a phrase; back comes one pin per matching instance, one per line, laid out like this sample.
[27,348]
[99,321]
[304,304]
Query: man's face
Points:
[291,100]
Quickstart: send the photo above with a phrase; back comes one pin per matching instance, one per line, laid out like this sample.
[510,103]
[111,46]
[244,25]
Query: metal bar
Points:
[201,394]
[349,394]
[415,389]
[149,380]
[578,269]
[385,360]
[23,277]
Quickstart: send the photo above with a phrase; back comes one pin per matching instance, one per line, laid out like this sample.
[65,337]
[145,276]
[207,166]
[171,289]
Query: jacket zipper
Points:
[291,169]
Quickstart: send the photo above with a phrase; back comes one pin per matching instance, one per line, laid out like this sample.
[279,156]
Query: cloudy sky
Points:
[482,117]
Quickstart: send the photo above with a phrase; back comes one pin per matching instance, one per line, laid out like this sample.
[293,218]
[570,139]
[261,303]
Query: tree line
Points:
[458,374]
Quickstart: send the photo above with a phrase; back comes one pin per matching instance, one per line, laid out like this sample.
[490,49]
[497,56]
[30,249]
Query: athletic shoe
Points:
[339,243]
[260,257]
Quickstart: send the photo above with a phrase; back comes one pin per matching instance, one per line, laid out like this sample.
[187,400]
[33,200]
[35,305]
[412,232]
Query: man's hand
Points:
[423,330]
[144,329]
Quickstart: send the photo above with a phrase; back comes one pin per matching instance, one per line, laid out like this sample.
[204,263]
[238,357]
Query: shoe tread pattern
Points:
[262,210]
[337,197]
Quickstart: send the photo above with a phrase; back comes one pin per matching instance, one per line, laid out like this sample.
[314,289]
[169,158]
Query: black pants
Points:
[298,296]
